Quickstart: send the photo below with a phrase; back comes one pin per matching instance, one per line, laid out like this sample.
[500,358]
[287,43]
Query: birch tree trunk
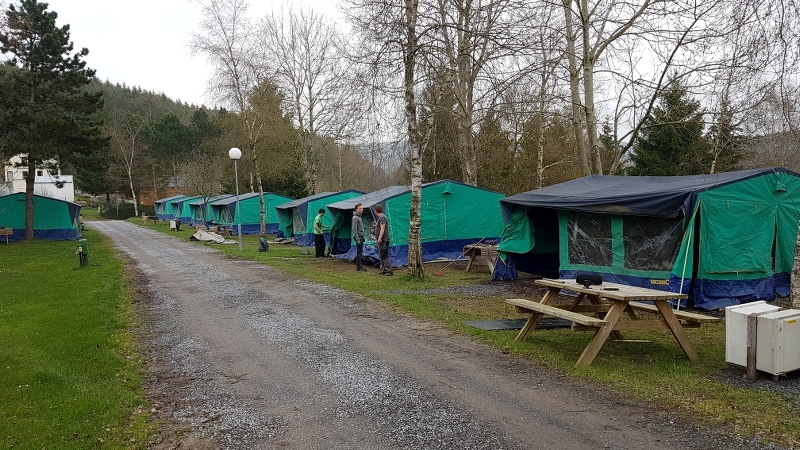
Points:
[574,89]
[409,65]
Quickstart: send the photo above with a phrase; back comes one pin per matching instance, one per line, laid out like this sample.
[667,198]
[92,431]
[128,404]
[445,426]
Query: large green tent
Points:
[724,238]
[453,214]
[164,207]
[223,212]
[53,219]
[181,209]
[200,209]
[296,218]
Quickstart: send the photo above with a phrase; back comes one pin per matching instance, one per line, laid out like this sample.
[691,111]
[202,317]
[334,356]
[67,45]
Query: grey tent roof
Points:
[203,200]
[647,196]
[371,198]
[232,199]
[300,201]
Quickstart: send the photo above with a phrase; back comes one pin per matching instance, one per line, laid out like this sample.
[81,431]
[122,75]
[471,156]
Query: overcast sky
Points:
[145,42]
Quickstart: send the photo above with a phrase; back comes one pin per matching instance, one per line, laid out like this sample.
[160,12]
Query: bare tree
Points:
[304,54]
[127,144]
[469,38]
[227,39]
[391,41]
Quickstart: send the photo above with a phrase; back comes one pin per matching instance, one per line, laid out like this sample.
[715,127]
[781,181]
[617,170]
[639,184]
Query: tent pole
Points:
[685,259]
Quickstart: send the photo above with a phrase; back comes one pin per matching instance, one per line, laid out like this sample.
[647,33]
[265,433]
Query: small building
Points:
[47,183]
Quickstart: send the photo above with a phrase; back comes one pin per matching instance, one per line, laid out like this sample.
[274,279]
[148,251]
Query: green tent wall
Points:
[724,238]
[53,219]
[453,214]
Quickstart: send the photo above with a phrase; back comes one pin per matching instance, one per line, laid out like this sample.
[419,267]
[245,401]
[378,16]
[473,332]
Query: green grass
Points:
[70,373]
[656,372]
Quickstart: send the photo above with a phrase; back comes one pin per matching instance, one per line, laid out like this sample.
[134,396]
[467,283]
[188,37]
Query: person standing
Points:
[358,235]
[382,225]
[319,238]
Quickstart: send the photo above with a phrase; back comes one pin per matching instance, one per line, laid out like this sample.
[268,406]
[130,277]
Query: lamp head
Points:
[234,153]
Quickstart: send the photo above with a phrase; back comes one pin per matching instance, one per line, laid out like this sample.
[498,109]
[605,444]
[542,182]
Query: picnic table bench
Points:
[6,232]
[153,219]
[608,302]
[486,251]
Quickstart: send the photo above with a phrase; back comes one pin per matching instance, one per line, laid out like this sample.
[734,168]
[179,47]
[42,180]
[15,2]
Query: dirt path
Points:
[242,356]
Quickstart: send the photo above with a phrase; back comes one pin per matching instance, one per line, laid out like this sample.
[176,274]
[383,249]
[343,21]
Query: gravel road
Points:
[242,356]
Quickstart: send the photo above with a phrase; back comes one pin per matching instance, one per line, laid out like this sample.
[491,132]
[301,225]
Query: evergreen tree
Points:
[671,141]
[45,111]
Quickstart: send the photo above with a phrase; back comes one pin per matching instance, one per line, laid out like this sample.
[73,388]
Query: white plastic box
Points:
[736,329]
[778,345]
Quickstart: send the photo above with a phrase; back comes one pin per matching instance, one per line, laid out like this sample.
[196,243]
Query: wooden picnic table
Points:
[486,251]
[607,303]
[6,232]
[153,219]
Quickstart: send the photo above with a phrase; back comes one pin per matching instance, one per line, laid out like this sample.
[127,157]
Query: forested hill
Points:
[134,100]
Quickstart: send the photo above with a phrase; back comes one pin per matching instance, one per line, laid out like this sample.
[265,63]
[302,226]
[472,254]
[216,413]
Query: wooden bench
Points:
[154,219]
[6,232]
[683,315]
[485,251]
[538,310]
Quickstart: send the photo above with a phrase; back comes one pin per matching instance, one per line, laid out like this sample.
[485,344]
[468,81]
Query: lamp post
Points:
[235,154]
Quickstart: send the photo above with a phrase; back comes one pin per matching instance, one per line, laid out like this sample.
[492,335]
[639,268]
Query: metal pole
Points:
[238,212]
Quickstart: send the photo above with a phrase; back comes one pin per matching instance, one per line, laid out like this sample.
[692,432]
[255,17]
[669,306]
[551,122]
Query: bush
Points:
[123,211]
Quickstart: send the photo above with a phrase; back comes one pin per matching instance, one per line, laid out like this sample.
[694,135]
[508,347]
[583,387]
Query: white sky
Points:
[144,43]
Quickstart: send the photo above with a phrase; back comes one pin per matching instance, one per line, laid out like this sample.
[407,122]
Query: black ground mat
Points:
[516,324]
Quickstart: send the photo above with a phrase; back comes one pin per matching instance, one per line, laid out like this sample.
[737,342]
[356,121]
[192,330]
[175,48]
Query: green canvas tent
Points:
[724,238]
[223,212]
[296,218]
[164,207]
[53,219]
[182,210]
[200,210]
[453,214]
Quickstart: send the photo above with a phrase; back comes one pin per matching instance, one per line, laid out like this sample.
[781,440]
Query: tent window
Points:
[651,243]
[298,226]
[590,239]
[225,215]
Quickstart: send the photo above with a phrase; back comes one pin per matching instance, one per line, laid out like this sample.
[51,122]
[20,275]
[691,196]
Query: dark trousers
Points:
[319,245]
[383,251]
[359,254]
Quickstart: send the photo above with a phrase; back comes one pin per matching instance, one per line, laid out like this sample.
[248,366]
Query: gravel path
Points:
[242,356]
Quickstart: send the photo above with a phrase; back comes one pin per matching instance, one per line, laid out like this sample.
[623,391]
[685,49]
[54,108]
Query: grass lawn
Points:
[70,373]
[656,372]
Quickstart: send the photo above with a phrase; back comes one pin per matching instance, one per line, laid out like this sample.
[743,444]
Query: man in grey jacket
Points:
[358,235]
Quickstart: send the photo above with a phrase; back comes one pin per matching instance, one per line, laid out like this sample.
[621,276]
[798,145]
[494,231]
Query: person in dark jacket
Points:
[382,228]
[358,235]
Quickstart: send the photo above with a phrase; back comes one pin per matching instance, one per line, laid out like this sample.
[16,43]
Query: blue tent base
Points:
[45,235]
[398,254]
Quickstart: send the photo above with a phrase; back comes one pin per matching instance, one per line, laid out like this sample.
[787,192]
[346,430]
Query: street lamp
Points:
[235,154]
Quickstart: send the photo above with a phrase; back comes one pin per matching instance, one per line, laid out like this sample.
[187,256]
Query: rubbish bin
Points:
[83,252]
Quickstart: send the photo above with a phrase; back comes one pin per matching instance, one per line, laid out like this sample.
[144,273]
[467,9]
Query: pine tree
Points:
[671,141]
[45,111]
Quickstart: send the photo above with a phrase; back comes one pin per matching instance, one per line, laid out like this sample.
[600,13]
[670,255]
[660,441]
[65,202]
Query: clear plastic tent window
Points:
[651,243]
[298,226]
[590,239]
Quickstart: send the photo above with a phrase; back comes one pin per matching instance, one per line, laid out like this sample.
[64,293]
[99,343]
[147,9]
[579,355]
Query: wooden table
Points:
[489,252]
[607,302]
[154,219]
